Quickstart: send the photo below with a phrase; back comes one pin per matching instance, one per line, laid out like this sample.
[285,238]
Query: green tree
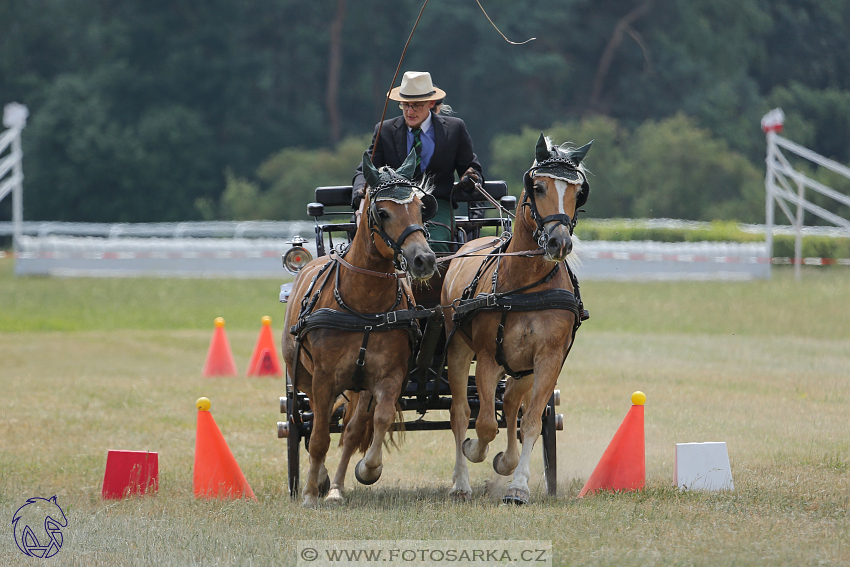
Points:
[290,177]
[675,170]
[669,168]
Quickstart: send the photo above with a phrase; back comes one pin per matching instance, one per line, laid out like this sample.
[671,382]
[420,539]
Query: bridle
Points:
[376,226]
[540,234]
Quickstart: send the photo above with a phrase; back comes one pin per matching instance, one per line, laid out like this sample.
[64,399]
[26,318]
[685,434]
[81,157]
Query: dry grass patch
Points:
[762,366]
[779,403]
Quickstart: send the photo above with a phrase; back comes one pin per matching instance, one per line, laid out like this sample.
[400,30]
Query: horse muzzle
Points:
[421,261]
[557,244]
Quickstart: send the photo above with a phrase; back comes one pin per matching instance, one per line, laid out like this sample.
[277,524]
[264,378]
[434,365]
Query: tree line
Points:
[163,111]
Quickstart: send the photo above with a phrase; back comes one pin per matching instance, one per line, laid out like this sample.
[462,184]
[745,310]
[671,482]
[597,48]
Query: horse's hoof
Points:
[324,486]
[466,449]
[310,502]
[517,496]
[365,475]
[498,465]
[334,498]
[460,495]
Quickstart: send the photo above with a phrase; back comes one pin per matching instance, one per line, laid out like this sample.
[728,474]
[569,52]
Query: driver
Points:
[442,143]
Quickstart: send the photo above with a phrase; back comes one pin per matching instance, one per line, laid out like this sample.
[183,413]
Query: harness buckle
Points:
[491,300]
[391,317]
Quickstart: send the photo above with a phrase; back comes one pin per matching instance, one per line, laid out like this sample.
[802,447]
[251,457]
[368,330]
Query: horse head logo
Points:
[37,527]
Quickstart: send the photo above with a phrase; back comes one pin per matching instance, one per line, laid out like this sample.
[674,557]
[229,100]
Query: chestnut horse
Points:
[356,327]
[516,312]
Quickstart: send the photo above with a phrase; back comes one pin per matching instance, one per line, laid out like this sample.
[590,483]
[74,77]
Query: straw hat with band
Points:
[416,86]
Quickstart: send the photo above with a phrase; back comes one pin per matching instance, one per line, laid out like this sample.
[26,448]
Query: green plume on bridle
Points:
[392,184]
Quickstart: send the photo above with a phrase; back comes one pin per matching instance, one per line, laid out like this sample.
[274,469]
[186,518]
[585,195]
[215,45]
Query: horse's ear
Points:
[370,172]
[578,155]
[408,168]
[542,151]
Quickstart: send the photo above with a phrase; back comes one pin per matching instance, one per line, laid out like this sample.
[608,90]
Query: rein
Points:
[491,244]
[335,256]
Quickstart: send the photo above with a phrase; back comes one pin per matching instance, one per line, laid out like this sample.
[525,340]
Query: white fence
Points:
[780,192]
[191,249]
[247,250]
[11,171]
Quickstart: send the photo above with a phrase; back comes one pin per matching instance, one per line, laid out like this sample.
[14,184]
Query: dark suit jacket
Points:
[453,152]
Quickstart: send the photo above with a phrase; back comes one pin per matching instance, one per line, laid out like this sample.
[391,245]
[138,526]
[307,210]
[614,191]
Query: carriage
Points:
[426,386]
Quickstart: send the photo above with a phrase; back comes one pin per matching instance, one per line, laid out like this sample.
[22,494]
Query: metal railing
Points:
[11,170]
[779,190]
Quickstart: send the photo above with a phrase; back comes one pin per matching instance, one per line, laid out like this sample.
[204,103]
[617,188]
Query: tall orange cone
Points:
[219,356]
[264,361]
[623,465]
[216,473]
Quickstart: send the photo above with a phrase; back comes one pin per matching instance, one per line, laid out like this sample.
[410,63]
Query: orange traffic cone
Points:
[219,357]
[623,465]
[216,473]
[264,361]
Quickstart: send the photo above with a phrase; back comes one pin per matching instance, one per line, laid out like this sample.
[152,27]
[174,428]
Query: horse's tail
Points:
[348,400]
[353,399]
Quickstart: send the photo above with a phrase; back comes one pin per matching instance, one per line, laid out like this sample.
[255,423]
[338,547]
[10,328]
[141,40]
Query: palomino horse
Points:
[357,324]
[516,312]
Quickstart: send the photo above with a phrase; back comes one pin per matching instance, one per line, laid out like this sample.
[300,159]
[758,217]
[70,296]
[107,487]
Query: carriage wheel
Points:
[293,440]
[550,450]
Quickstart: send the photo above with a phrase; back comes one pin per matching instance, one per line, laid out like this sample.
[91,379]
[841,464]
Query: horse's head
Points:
[554,188]
[396,210]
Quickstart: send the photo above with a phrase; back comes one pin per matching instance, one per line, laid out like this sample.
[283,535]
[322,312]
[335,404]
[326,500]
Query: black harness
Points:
[349,320]
[467,307]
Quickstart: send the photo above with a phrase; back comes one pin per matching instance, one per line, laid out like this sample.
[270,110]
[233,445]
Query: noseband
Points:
[541,235]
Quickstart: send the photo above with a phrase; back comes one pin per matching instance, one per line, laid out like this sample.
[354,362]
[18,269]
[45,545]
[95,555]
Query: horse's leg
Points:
[458,359]
[351,437]
[385,395]
[546,371]
[505,463]
[487,375]
[320,441]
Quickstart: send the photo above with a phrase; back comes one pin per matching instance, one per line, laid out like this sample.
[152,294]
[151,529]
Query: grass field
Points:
[88,365]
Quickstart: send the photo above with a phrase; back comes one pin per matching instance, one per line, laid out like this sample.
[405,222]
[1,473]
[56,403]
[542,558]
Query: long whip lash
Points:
[387,100]
[500,31]
[397,69]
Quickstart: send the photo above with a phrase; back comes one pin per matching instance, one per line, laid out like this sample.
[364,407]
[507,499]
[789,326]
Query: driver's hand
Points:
[356,197]
[469,179]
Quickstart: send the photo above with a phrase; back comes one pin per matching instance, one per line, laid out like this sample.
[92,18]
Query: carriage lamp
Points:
[296,257]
